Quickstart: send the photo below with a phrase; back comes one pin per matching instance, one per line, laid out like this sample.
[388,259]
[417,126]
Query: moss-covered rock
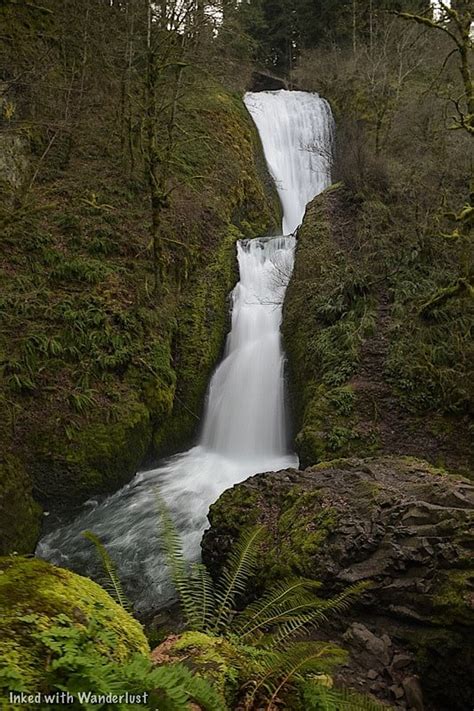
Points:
[19,513]
[198,341]
[35,597]
[327,314]
[367,374]
[213,658]
[99,457]
[336,522]
[398,522]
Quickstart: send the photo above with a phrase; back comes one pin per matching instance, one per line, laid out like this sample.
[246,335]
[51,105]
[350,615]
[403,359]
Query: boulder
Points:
[38,599]
[396,522]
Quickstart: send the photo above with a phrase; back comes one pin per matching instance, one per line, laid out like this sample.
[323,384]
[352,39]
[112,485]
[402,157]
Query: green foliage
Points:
[342,399]
[34,595]
[210,607]
[112,582]
[429,358]
[262,634]
[321,698]
[81,270]
[77,662]
[88,345]
[371,349]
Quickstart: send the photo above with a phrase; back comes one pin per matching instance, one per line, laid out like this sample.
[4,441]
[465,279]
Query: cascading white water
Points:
[245,416]
[296,129]
[244,429]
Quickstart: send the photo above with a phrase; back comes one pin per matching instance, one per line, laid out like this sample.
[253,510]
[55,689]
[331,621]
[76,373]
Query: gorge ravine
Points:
[245,424]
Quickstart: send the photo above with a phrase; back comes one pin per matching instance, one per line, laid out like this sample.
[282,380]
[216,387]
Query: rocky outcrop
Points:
[367,375]
[41,605]
[396,522]
[266,81]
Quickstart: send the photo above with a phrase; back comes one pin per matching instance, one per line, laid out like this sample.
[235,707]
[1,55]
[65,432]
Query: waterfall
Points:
[296,130]
[244,427]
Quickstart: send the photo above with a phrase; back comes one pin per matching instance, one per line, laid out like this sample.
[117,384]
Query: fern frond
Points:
[302,618]
[291,666]
[235,576]
[302,660]
[112,583]
[202,588]
[272,601]
[179,568]
[317,697]
[180,686]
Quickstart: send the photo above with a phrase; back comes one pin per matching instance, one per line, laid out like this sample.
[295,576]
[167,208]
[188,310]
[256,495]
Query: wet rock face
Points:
[397,522]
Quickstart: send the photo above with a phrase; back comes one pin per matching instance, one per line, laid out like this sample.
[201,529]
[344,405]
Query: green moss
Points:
[33,596]
[328,312]
[236,507]
[212,658]
[453,599]
[304,525]
[422,465]
[20,515]
[100,369]
[296,535]
[97,457]
[199,338]
[327,428]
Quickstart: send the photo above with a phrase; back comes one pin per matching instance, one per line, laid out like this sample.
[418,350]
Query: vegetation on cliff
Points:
[99,369]
[378,315]
[128,169]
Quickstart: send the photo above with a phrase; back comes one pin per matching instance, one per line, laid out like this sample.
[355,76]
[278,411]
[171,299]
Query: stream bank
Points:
[97,375]
[397,523]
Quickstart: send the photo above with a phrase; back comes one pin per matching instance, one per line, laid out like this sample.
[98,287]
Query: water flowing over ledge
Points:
[296,130]
[245,424]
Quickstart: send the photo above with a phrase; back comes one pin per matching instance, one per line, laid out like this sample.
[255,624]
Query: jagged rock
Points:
[397,691]
[363,637]
[397,522]
[400,661]
[413,693]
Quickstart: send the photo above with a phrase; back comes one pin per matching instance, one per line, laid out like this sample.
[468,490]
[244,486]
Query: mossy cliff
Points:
[40,602]
[19,513]
[370,371]
[98,372]
[396,522]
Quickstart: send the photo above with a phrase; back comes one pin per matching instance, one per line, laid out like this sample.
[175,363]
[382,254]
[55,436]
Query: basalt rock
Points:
[396,522]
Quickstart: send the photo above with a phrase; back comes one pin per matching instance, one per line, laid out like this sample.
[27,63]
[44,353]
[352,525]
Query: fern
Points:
[179,686]
[235,576]
[180,573]
[306,614]
[290,607]
[258,637]
[289,667]
[317,697]
[202,589]
[112,583]
[76,663]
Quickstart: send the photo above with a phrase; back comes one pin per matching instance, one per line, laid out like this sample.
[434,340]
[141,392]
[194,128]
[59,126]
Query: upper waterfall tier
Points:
[296,130]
